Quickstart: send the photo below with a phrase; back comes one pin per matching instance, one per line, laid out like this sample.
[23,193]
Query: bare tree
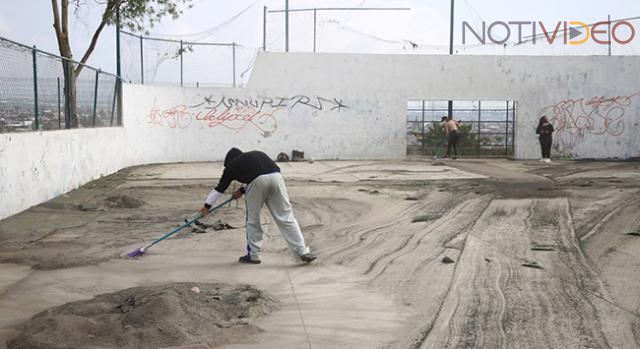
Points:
[133,14]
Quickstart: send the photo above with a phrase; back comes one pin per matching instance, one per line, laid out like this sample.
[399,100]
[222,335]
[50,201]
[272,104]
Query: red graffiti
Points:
[572,119]
[237,118]
[175,117]
[231,117]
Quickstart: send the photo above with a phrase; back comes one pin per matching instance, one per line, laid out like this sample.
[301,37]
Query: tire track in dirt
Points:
[400,257]
[402,250]
[495,302]
[611,254]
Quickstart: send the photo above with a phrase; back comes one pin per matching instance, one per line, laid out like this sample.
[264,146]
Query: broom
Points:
[141,251]
[435,155]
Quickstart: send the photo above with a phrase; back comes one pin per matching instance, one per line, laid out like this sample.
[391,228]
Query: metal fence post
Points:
[315,16]
[181,80]
[286,25]
[264,29]
[609,31]
[113,104]
[34,52]
[59,110]
[423,139]
[513,130]
[95,98]
[506,134]
[233,50]
[479,126]
[118,67]
[68,93]
[141,61]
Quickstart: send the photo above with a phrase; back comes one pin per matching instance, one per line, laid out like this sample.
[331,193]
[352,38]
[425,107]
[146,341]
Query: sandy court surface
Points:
[412,254]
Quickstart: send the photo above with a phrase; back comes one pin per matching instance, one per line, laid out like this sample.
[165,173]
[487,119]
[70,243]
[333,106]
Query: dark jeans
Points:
[545,146]
[453,143]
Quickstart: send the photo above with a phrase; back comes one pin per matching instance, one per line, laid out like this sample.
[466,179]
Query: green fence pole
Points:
[506,133]
[35,85]
[59,110]
[141,62]
[68,93]
[113,105]
[479,126]
[264,29]
[95,97]
[181,80]
[234,63]
[118,68]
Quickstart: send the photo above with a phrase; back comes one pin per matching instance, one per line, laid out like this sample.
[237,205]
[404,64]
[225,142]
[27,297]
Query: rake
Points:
[141,251]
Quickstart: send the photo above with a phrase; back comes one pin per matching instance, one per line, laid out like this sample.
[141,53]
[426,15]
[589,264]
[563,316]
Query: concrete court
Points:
[543,255]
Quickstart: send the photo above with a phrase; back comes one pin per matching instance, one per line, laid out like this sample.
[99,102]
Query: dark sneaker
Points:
[246,259]
[308,257]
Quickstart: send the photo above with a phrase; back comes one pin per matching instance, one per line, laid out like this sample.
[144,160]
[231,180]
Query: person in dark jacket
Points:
[545,132]
[264,186]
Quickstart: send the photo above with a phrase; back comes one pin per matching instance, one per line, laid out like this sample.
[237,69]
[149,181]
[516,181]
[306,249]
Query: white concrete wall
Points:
[165,124]
[38,166]
[594,102]
[173,124]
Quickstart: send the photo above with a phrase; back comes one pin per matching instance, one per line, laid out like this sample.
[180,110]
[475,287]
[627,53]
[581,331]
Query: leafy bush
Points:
[467,143]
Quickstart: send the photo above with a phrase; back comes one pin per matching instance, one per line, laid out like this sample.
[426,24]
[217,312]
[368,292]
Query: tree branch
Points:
[56,17]
[108,11]
[61,35]
[65,17]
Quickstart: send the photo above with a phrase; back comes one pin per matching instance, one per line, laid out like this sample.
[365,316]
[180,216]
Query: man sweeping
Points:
[451,134]
[264,185]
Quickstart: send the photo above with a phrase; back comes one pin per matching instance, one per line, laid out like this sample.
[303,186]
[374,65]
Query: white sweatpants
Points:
[270,190]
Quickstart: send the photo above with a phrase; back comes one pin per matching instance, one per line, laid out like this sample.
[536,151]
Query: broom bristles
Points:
[136,253]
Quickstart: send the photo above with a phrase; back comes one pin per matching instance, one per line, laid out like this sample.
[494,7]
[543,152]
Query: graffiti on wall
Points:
[573,119]
[261,113]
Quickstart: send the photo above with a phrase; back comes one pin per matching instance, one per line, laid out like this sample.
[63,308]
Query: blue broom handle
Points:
[187,224]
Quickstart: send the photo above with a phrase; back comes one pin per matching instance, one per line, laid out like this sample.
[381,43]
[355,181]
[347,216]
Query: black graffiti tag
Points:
[316,103]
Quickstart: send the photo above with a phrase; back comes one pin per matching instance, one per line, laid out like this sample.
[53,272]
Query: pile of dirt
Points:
[177,314]
[123,201]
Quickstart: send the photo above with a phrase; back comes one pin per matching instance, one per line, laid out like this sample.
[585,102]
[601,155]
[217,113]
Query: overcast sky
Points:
[426,24]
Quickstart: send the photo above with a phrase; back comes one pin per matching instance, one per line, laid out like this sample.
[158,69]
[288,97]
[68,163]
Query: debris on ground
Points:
[151,317]
[282,157]
[373,192]
[533,265]
[297,155]
[542,248]
[447,260]
[201,228]
[425,218]
[123,201]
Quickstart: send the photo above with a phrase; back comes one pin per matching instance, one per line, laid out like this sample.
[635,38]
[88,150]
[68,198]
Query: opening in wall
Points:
[485,128]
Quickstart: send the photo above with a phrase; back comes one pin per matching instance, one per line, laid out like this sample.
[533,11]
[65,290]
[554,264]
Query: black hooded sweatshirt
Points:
[545,132]
[245,167]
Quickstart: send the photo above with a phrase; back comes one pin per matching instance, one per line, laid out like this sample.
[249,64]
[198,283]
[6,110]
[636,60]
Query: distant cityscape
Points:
[17,103]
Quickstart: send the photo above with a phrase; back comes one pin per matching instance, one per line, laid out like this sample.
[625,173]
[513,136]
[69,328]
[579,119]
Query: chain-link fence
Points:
[43,91]
[161,61]
[486,128]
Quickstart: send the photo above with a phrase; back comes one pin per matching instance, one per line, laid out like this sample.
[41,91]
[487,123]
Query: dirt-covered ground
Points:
[412,254]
